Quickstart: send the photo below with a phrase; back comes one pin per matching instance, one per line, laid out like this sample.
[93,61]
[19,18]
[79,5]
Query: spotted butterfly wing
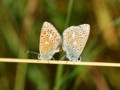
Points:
[50,41]
[74,40]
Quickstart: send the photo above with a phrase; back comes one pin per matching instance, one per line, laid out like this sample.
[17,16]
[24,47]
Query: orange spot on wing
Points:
[55,37]
[50,31]
[41,36]
[44,33]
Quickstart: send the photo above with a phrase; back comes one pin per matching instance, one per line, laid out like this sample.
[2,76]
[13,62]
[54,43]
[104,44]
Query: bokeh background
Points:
[20,26]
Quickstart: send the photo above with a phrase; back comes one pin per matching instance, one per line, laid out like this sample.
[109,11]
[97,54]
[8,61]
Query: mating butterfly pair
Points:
[73,41]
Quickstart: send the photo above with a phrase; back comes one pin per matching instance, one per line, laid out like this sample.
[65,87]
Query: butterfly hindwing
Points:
[50,41]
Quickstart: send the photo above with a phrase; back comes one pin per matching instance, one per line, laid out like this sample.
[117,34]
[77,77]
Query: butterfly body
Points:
[50,41]
[74,40]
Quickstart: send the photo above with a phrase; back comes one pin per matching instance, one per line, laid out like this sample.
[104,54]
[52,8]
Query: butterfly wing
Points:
[74,40]
[50,41]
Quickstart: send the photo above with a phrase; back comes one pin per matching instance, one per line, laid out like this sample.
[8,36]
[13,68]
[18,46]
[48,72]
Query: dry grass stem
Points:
[59,62]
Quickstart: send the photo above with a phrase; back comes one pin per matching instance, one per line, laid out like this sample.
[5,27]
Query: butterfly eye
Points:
[79,58]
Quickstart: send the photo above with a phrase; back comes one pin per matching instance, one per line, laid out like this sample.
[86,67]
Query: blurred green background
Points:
[20,25]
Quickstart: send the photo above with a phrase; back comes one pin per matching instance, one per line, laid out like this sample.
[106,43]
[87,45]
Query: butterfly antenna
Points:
[53,58]
[31,52]
[86,58]
[63,57]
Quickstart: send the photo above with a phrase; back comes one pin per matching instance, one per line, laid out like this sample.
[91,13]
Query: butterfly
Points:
[50,41]
[74,40]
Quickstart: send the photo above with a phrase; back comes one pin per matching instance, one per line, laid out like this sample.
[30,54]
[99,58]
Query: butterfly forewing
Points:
[50,41]
[74,40]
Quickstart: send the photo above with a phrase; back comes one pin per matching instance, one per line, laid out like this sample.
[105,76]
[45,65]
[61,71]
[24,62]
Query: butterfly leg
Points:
[53,58]
[63,57]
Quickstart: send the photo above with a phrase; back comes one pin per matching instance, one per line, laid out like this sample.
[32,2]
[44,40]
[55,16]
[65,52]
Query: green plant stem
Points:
[21,71]
[68,13]
[58,79]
